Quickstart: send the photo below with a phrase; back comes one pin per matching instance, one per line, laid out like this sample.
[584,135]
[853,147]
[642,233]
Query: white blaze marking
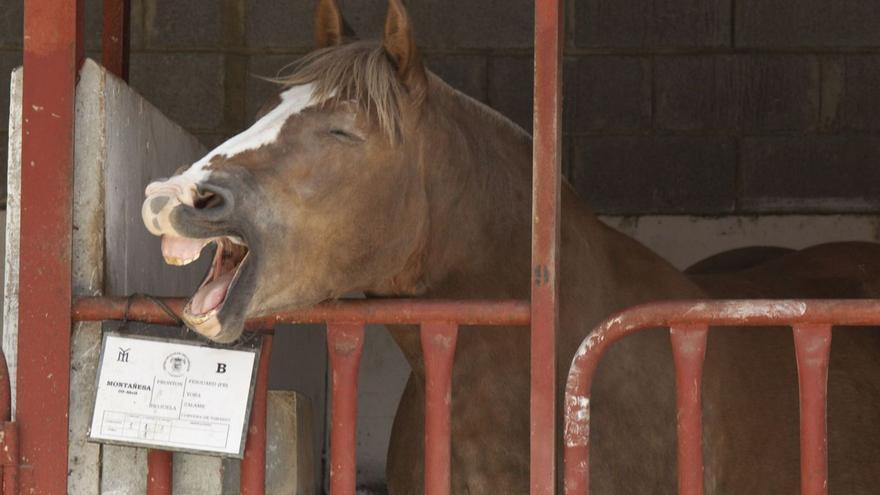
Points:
[264,131]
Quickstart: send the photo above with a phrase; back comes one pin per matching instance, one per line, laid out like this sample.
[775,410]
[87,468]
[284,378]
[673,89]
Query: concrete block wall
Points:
[699,106]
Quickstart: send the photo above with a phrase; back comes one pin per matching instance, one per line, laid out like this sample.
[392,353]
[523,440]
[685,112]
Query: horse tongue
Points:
[211,295]
[181,251]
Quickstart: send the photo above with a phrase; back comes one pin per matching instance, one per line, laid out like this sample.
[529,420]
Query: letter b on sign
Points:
[221,367]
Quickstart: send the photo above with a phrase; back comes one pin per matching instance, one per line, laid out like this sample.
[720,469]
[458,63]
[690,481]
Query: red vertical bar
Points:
[10,459]
[438,348]
[545,239]
[689,351]
[160,468]
[345,342]
[813,346]
[52,52]
[115,37]
[253,466]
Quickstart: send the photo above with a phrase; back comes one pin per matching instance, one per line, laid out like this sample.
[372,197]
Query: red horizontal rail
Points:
[388,311]
[812,321]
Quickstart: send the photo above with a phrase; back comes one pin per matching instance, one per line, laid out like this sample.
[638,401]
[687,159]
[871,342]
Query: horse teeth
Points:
[200,319]
[173,260]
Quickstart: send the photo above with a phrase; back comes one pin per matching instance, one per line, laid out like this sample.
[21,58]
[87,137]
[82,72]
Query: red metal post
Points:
[253,466]
[115,37]
[345,342]
[812,347]
[160,468]
[10,459]
[52,54]
[689,352]
[545,239]
[438,348]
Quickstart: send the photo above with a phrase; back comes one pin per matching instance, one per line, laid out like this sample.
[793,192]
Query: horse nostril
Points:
[208,200]
[213,200]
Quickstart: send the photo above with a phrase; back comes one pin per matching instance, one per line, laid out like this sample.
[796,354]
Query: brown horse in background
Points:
[369,173]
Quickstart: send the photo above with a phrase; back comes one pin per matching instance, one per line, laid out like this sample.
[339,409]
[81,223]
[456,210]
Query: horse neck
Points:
[476,168]
[477,177]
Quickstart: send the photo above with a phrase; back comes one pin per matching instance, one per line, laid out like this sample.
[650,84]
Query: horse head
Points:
[322,196]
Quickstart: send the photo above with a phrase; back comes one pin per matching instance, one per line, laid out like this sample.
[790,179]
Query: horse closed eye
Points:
[344,135]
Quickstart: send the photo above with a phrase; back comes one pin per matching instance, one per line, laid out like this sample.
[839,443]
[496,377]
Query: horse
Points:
[368,173]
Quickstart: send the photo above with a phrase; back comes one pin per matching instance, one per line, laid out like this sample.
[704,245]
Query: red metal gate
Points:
[52,55]
[345,330]
[689,322]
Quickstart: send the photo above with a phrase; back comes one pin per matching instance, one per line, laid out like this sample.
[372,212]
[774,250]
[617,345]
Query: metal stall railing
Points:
[689,321]
[438,321]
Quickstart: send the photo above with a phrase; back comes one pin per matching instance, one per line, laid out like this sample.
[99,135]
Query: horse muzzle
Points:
[204,204]
[162,198]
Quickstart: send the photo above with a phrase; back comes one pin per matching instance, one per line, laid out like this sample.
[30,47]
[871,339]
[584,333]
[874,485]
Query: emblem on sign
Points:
[177,364]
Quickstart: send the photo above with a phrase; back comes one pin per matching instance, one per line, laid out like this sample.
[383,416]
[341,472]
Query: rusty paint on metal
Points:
[547,184]
[577,431]
[413,312]
[115,37]
[52,54]
[812,347]
[689,352]
[812,321]
[438,348]
[253,466]
[160,469]
[343,416]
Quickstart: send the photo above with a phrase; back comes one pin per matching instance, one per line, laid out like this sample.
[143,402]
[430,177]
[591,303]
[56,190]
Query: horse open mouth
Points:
[229,257]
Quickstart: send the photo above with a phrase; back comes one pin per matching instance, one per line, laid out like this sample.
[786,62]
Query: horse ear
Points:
[330,27]
[400,45]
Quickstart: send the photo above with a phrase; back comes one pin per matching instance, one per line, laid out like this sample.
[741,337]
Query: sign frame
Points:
[252,342]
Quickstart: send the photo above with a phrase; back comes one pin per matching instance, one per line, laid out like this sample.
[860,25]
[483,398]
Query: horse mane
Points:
[359,72]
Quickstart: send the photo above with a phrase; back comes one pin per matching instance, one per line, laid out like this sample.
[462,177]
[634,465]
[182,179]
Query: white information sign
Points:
[173,395]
